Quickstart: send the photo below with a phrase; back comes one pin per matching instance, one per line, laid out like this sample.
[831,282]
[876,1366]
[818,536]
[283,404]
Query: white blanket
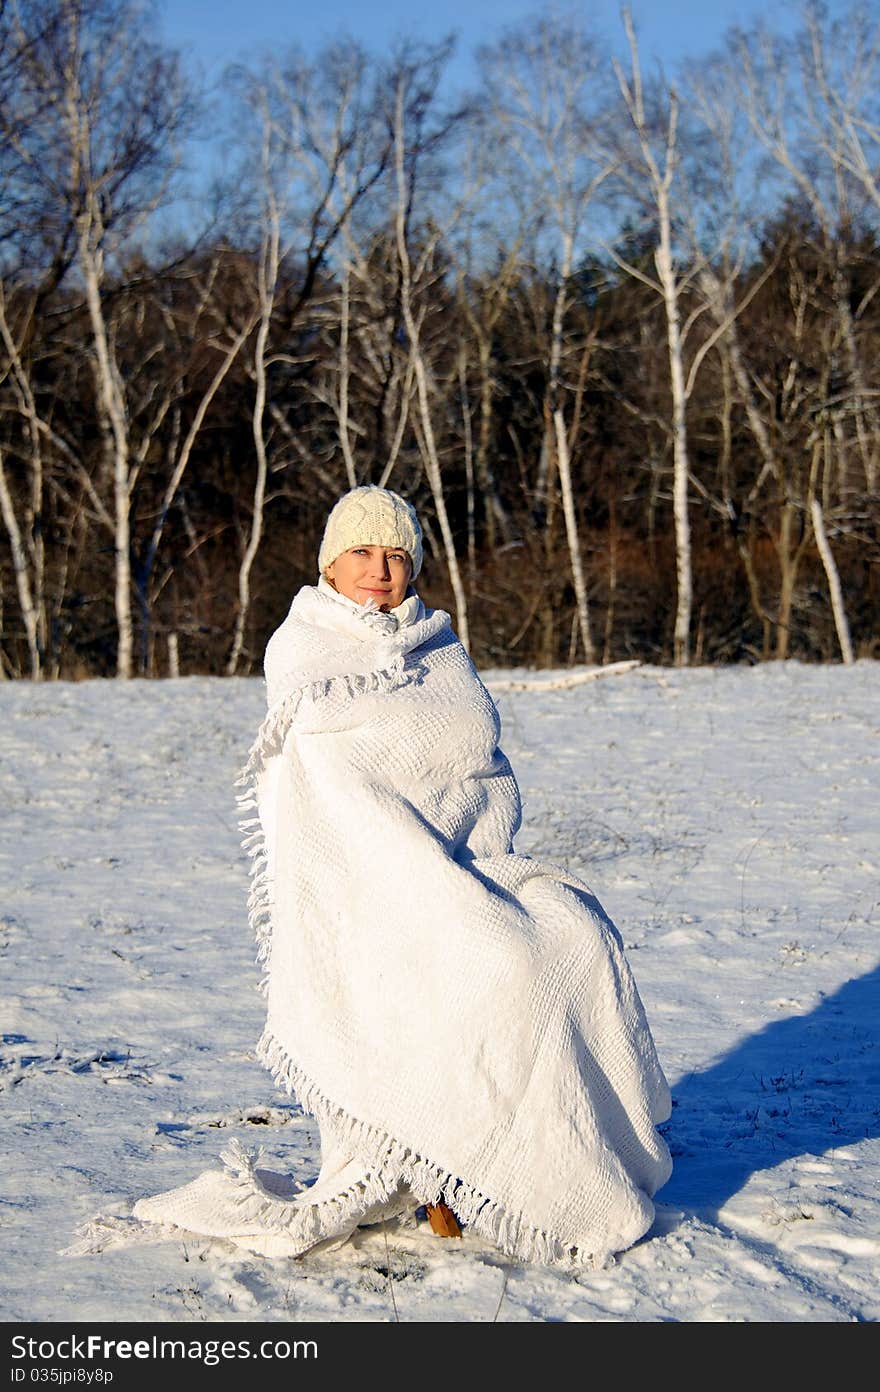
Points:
[460,1019]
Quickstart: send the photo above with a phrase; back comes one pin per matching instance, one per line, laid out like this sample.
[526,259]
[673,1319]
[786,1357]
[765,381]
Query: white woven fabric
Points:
[460,1019]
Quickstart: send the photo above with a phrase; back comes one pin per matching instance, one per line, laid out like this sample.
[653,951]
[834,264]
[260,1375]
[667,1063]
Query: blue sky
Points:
[215,32]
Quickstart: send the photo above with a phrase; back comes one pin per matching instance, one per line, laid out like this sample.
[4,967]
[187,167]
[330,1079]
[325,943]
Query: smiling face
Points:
[372,572]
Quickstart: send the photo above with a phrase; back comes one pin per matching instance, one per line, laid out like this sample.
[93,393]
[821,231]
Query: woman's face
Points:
[372,572]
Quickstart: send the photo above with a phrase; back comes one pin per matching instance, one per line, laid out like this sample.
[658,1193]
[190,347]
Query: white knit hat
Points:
[371,516]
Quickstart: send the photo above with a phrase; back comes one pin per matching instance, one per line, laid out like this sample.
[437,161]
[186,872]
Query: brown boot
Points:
[442,1219]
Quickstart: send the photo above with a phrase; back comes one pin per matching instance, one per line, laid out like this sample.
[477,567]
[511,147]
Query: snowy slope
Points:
[729,820]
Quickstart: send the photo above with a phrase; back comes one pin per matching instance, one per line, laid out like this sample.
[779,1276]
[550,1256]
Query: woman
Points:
[460,1019]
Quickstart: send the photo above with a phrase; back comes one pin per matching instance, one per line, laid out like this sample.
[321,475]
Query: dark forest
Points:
[616,339]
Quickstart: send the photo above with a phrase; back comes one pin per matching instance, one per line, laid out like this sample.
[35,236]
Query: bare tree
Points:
[730,208]
[545,85]
[483,299]
[320,152]
[486,250]
[412,92]
[840,77]
[34,256]
[364,378]
[809,107]
[26,535]
[812,106]
[106,104]
[657,160]
[214,335]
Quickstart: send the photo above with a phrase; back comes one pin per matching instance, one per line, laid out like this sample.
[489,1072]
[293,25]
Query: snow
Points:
[728,821]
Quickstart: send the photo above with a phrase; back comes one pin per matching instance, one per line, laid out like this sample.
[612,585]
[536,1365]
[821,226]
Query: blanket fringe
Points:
[308,1223]
[100,1234]
[428,1181]
[269,742]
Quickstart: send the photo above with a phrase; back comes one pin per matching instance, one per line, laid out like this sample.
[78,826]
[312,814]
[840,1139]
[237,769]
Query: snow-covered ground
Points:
[729,820]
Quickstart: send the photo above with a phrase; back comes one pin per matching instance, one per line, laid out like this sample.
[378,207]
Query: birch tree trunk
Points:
[838,609]
[563,460]
[344,377]
[468,466]
[660,181]
[432,460]
[571,532]
[29,556]
[684,582]
[114,423]
[20,568]
[267,285]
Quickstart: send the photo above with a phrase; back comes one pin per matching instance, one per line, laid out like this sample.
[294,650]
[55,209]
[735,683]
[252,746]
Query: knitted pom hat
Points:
[371,516]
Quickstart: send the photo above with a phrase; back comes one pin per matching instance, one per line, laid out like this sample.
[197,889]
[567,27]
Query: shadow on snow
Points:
[802,1086]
